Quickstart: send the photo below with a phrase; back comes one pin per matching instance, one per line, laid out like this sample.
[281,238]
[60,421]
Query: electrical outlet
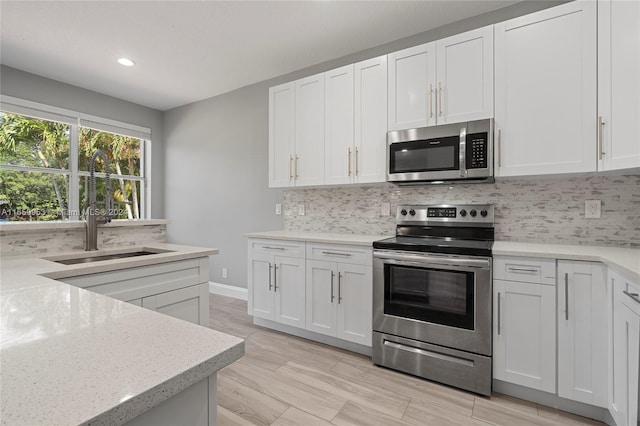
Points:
[278,208]
[301,209]
[385,209]
[592,209]
[224,273]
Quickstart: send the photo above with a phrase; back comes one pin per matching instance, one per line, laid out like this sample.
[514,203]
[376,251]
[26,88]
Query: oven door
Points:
[439,299]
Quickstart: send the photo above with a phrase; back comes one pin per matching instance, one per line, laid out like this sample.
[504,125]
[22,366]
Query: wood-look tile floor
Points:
[288,381]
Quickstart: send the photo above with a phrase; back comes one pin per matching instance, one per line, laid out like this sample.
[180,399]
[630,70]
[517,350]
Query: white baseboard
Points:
[228,290]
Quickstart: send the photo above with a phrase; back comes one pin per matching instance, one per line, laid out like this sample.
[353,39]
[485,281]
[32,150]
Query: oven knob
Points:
[403,212]
[412,212]
[483,213]
[463,212]
[473,213]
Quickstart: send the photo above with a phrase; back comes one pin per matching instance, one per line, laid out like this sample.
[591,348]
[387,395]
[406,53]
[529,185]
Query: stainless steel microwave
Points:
[447,153]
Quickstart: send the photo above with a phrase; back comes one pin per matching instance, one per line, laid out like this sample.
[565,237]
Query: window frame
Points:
[76,120]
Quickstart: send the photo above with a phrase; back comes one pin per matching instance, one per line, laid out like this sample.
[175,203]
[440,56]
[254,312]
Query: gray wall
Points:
[23,85]
[217,157]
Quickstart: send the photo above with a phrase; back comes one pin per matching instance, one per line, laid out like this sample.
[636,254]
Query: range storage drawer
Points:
[525,269]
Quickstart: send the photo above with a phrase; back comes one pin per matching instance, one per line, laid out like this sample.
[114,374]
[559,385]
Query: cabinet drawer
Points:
[525,269]
[630,295]
[340,253]
[278,247]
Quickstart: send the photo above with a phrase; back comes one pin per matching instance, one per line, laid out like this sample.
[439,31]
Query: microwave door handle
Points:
[462,154]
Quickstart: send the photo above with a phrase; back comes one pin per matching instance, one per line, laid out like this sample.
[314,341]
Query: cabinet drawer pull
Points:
[332,296]
[566,296]
[499,313]
[529,270]
[634,296]
[335,253]
[270,268]
[273,248]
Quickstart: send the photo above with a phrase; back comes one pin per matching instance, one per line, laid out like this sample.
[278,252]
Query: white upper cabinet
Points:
[339,149]
[308,164]
[465,76]
[446,81]
[412,81]
[281,135]
[545,91]
[370,120]
[618,84]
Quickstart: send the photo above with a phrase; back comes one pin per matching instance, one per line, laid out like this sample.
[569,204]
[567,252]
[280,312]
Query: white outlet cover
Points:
[224,273]
[301,210]
[385,209]
[278,208]
[592,209]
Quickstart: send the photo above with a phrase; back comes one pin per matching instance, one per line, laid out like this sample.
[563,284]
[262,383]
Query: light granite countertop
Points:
[318,237]
[624,260]
[71,356]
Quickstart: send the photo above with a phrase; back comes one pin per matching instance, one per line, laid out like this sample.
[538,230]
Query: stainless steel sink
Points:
[102,257]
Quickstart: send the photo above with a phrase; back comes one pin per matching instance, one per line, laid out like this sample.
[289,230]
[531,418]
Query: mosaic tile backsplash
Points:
[537,210]
[56,240]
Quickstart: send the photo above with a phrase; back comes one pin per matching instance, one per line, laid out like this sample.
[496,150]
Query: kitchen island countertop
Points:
[71,356]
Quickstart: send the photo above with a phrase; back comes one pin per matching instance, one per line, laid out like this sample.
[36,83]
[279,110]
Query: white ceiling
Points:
[186,51]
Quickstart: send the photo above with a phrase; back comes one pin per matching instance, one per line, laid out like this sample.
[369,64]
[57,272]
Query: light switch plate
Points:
[278,208]
[592,209]
[224,273]
[300,209]
[385,209]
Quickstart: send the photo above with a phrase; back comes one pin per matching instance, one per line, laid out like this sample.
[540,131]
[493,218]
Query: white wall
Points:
[23,85]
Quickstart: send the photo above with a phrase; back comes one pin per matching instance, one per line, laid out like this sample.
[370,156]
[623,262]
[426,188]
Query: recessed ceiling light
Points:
[126,62]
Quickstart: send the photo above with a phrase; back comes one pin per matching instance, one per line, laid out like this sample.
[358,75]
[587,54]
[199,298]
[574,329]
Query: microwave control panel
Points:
[477,151]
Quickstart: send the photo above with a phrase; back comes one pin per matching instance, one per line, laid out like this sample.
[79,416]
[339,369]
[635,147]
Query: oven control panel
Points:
[445,213]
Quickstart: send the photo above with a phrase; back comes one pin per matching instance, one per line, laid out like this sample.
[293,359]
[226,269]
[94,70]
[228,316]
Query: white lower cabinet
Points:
[179,289]
[524,347]
[624,348]
[339,300]
[276,281]
[582,355]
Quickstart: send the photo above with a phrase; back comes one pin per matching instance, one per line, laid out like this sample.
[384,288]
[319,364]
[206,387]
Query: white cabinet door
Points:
[618,83]
[281,134]
[582,356]
[355,290]
[465,76]
[371,120]
[260,277]
[189,304]
[545,91]
[289,290]
[309,130]
[321,303]
[624,351]
[525,334]
[339,151]
[412,74]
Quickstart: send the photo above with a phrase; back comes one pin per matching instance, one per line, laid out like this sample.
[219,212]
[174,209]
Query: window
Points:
[45,155]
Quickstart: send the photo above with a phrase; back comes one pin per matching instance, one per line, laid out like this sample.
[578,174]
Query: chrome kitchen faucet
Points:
[92,214]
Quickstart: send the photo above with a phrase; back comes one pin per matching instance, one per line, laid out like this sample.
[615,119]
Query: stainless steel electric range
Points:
[432,295]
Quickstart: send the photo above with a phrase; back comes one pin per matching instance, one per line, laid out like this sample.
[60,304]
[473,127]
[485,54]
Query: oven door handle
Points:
[424,260]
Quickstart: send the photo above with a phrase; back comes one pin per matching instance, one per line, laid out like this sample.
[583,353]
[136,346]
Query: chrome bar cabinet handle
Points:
[296,168]
[566,296]
[349,161]
[270,268]
[634,296]
[499,313]
[430,100]
[440,100]
[600,138]
[332,296]
[357,170]
[290,161]
[335,253]
[275,278]
[499,148]
[339,287]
